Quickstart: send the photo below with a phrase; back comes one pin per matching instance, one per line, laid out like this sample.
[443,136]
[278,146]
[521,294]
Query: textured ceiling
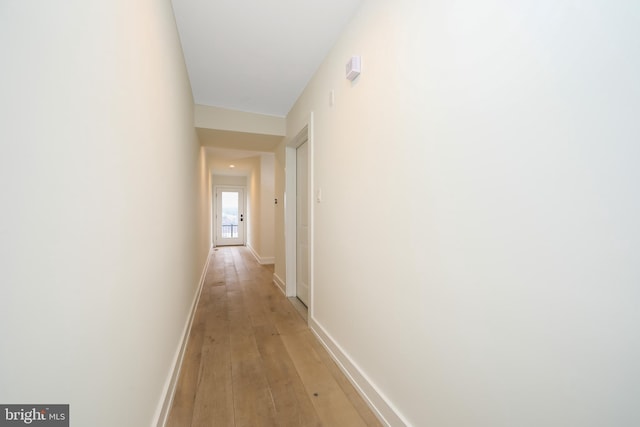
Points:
[257,55]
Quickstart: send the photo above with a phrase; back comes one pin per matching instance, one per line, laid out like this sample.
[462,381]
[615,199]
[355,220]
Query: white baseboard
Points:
[383,409]
[168,392]
[261,260]
[280,283]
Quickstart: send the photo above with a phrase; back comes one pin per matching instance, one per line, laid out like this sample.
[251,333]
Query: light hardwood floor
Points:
[252,361]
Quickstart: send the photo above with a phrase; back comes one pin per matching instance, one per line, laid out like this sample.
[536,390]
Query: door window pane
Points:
[230,214]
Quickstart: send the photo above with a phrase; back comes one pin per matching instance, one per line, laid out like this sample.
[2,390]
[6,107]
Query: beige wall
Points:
[476,246]
[261,234]
[280,272]
[209,117]
[239,181]
[253,208]
[267,207]
[104,213]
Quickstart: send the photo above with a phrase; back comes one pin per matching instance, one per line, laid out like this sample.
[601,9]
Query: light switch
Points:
[319,195]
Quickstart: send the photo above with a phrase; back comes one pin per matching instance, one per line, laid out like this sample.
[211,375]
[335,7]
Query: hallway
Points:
[252,361]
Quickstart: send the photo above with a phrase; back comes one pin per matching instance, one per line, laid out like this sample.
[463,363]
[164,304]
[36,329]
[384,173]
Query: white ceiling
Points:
[257,55]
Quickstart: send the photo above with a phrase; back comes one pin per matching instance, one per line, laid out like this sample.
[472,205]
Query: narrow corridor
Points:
[252,361]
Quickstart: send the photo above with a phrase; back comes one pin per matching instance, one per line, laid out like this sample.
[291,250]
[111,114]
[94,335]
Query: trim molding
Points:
[261,260]
[169,390]
[280,284]
[304,135]
[377,401]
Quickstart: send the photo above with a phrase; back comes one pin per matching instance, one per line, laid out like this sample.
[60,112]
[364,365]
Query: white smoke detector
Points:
[353,68]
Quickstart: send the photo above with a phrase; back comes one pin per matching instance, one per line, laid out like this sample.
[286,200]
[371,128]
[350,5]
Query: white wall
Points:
[104,214]
[476,251]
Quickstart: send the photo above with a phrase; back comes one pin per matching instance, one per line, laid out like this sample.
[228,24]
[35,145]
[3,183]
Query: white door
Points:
[230,217]
[302,224]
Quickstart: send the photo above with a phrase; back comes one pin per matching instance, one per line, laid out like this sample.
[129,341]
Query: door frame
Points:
[302,218]
[216,204]
[290,220]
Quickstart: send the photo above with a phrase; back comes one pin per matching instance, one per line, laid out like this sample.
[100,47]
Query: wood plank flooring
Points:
[252,361]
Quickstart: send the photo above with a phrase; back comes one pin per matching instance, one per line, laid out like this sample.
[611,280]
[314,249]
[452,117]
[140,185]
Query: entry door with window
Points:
[230,217]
